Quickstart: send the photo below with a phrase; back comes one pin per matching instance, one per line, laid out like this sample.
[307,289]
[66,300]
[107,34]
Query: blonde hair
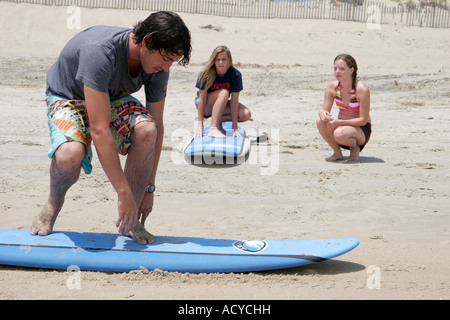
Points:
[207,76]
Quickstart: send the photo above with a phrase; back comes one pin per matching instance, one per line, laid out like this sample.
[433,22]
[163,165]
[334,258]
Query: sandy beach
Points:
[395,200]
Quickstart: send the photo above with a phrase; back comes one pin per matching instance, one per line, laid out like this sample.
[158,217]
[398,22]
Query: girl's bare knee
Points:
[244,115]
[223,94]
[339,134]
[319,123]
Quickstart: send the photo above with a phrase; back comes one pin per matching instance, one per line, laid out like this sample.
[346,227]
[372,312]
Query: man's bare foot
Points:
[142,236]
[335,157]
[216,133]
[43,223]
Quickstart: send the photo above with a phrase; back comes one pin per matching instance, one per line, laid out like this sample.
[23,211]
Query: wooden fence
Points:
[372,13]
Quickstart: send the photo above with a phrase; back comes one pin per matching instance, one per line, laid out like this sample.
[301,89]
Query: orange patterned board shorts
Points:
[68,121]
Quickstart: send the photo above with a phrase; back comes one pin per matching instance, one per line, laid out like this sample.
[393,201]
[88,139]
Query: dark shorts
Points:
[367,130]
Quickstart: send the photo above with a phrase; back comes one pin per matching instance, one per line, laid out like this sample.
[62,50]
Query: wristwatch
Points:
[150,188]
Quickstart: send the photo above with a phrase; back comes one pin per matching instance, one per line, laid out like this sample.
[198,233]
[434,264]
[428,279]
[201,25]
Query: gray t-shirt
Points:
[98,57]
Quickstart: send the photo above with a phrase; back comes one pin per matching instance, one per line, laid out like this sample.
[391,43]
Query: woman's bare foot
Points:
[216,133]
[142,236]
[337,156]
[354,154]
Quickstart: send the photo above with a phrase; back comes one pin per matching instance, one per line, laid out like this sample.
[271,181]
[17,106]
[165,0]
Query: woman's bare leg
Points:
[328,136]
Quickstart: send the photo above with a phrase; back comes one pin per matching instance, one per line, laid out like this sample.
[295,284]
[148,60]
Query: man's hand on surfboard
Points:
[128,215]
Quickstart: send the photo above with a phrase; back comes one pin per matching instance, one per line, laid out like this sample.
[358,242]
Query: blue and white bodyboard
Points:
[209,147]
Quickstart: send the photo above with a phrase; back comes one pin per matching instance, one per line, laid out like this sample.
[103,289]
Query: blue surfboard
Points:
[230,146]
[117,253]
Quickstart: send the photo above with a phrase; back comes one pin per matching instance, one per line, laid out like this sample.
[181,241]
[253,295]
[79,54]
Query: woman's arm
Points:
[202,98]
[234,108]
[328,100]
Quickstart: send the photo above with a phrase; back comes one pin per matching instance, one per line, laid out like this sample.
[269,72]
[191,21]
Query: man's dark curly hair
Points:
[167,32]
